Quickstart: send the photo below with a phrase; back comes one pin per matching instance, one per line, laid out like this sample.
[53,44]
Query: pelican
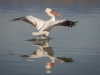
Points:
[44,27]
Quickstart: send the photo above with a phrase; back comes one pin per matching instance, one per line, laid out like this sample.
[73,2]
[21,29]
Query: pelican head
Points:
[50,12]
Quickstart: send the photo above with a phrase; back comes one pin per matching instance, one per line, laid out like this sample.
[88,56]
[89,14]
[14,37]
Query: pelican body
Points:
[44,27]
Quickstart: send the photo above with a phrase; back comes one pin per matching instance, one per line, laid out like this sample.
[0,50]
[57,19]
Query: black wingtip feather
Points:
[69,23]
[23,19]
[15,19]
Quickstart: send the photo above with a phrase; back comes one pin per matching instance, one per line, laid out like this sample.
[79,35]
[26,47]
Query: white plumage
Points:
[44,27]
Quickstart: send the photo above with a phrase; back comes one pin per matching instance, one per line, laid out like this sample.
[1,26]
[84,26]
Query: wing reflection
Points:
[44,50]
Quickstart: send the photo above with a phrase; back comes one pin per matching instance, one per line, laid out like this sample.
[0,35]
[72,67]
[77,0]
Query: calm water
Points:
[81,43]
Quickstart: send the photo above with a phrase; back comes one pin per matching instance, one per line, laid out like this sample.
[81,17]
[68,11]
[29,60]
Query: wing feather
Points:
[38,23]
[60,23]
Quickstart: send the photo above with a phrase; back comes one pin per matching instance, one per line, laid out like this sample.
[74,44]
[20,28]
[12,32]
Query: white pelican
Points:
[44,27]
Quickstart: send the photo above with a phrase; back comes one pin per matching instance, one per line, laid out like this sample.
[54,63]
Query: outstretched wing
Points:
[38,23]
[60,23]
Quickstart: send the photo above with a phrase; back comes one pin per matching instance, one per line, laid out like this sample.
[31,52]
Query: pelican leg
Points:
[44,35]
[37,38]
[47,37]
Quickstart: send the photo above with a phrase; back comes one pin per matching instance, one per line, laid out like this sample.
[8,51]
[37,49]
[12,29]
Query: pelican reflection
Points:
[44,50]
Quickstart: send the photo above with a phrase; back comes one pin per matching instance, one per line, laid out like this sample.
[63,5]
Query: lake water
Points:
[81,43]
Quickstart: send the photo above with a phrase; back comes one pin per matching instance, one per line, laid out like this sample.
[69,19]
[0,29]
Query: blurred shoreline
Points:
[68,2]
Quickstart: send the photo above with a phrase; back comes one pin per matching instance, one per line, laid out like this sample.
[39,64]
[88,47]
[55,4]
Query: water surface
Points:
[81,43]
